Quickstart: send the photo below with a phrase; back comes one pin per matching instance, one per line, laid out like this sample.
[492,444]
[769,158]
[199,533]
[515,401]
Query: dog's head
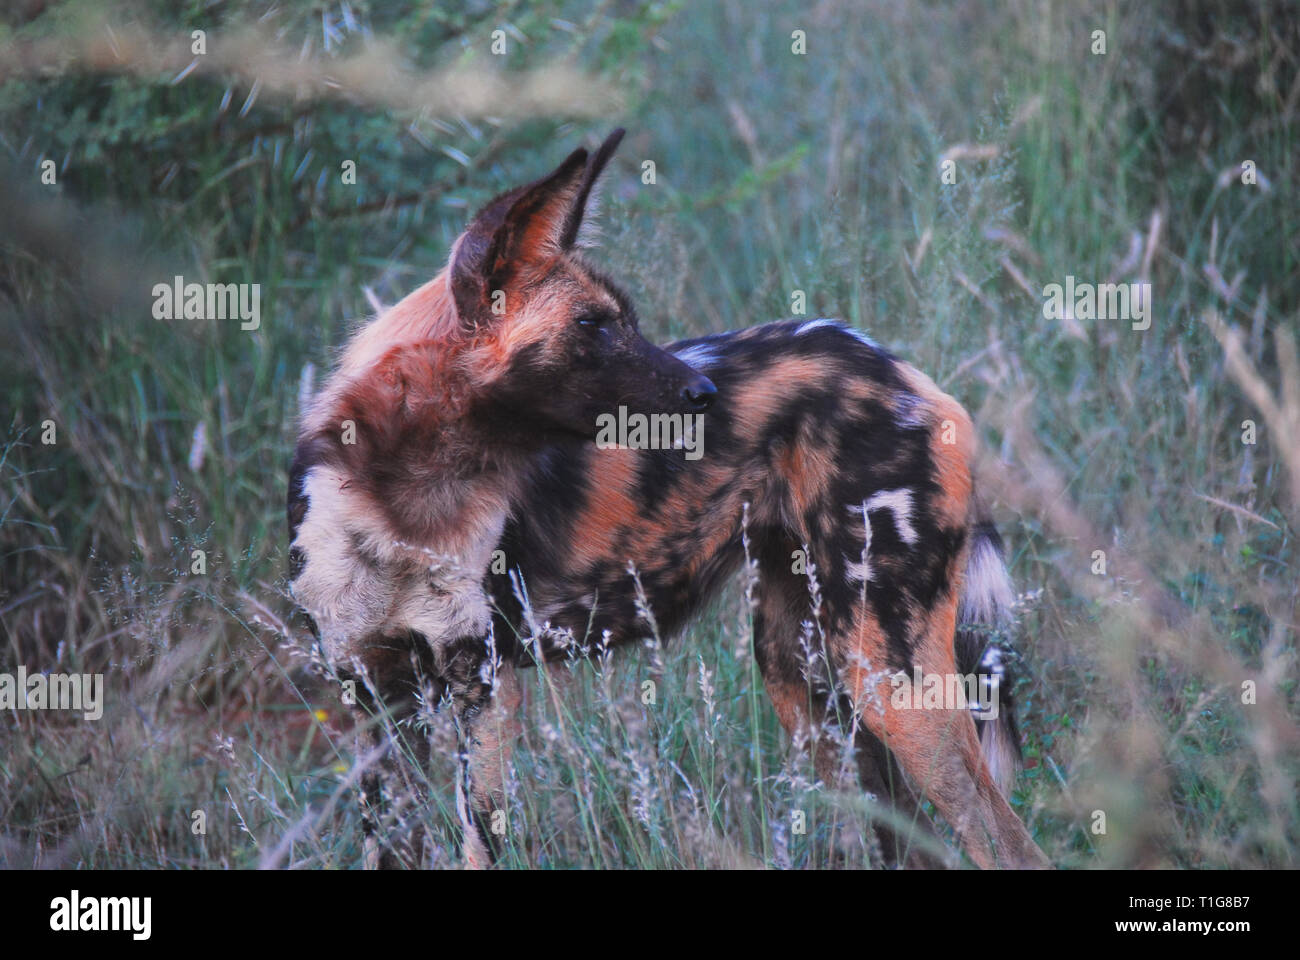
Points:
[557,342]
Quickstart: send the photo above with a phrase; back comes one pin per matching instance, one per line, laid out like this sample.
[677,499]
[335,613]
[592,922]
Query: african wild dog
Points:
[471,407]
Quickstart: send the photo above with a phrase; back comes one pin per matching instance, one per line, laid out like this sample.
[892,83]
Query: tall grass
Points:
[775,173]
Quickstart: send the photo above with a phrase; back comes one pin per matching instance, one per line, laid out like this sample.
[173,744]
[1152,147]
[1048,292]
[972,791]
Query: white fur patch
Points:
[899,504]
[811,325]
[987,598]
[988,594]
[697,355]
[1000,754]
[859,571]
[839,325]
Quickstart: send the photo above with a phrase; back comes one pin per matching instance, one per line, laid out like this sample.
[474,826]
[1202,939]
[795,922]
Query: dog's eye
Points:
[593,321]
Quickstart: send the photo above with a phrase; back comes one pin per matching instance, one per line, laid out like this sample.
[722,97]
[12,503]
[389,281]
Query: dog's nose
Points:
[700,394]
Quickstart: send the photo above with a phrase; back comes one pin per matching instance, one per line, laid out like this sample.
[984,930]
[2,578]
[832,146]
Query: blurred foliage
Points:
[199,151]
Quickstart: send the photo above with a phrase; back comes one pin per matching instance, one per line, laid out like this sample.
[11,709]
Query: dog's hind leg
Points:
[804,691]
[938,746]
[914,578]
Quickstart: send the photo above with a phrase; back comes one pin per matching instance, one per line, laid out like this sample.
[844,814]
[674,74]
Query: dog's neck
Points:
[403,418]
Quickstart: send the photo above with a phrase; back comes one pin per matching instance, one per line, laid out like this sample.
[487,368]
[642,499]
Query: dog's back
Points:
[847,473]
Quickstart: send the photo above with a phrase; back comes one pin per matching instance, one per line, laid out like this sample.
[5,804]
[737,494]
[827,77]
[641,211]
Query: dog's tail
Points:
[984,618]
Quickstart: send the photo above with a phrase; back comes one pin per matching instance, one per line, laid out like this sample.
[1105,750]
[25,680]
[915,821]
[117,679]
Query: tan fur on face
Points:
[546,296]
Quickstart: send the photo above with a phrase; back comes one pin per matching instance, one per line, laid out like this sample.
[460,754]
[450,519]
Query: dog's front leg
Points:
[486,700]
[393,675]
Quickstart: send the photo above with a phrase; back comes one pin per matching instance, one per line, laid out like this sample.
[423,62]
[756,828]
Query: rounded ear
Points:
[466,277]
[506,231]
[523,226]
[573,223]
